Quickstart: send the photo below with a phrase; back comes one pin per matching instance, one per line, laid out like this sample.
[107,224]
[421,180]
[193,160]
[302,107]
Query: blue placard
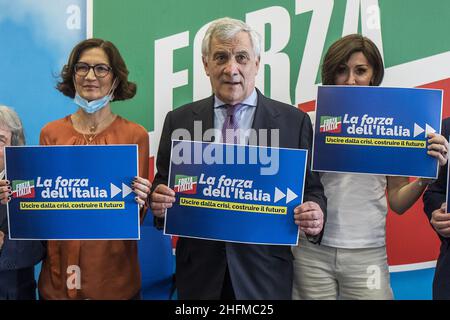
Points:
[235,193]
[376,130]
[72,192]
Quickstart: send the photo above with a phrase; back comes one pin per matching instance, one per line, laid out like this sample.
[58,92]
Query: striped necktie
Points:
[231,125]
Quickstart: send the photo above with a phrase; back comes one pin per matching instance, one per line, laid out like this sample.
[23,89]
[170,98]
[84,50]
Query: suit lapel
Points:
[204,112]
[265,118]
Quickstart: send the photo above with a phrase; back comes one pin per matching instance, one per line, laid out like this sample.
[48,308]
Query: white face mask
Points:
[95,105]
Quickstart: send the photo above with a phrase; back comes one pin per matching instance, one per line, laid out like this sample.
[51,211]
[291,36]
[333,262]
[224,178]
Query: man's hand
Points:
[309,217]
[440,220]
[162,198]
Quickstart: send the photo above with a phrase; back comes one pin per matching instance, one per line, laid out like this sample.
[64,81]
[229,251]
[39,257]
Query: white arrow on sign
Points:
[290,196]
[126,190]
[279,194]
[114,190]
[417,130]
[428,129]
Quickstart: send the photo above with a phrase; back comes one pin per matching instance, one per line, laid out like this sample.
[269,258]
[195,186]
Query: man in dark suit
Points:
[222,270]
[17,258]
[435,207]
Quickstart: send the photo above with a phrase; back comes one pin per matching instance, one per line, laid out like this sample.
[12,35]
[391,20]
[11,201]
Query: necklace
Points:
[89,137]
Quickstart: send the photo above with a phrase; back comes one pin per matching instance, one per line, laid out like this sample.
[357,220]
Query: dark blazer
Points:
[17,260]
[256,271]
[433,198]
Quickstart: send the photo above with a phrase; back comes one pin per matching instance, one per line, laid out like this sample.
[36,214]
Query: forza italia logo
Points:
[23,189]
[330,124]
[185,184]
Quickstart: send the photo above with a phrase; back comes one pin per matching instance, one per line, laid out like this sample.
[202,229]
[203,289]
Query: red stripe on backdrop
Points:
[307,106]
[443,85]
[410,238]
[151,168]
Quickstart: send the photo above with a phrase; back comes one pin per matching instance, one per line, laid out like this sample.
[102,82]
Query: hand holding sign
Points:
[162,198]
[141,188]
[309,217]
[438,148]
[440,220]
[5,191]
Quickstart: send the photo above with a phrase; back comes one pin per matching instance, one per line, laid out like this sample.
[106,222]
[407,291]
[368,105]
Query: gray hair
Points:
[226,29]
[11,121]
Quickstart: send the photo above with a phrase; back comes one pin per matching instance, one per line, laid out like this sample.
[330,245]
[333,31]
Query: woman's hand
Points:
[5,191]
[438,148]
[141,188]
